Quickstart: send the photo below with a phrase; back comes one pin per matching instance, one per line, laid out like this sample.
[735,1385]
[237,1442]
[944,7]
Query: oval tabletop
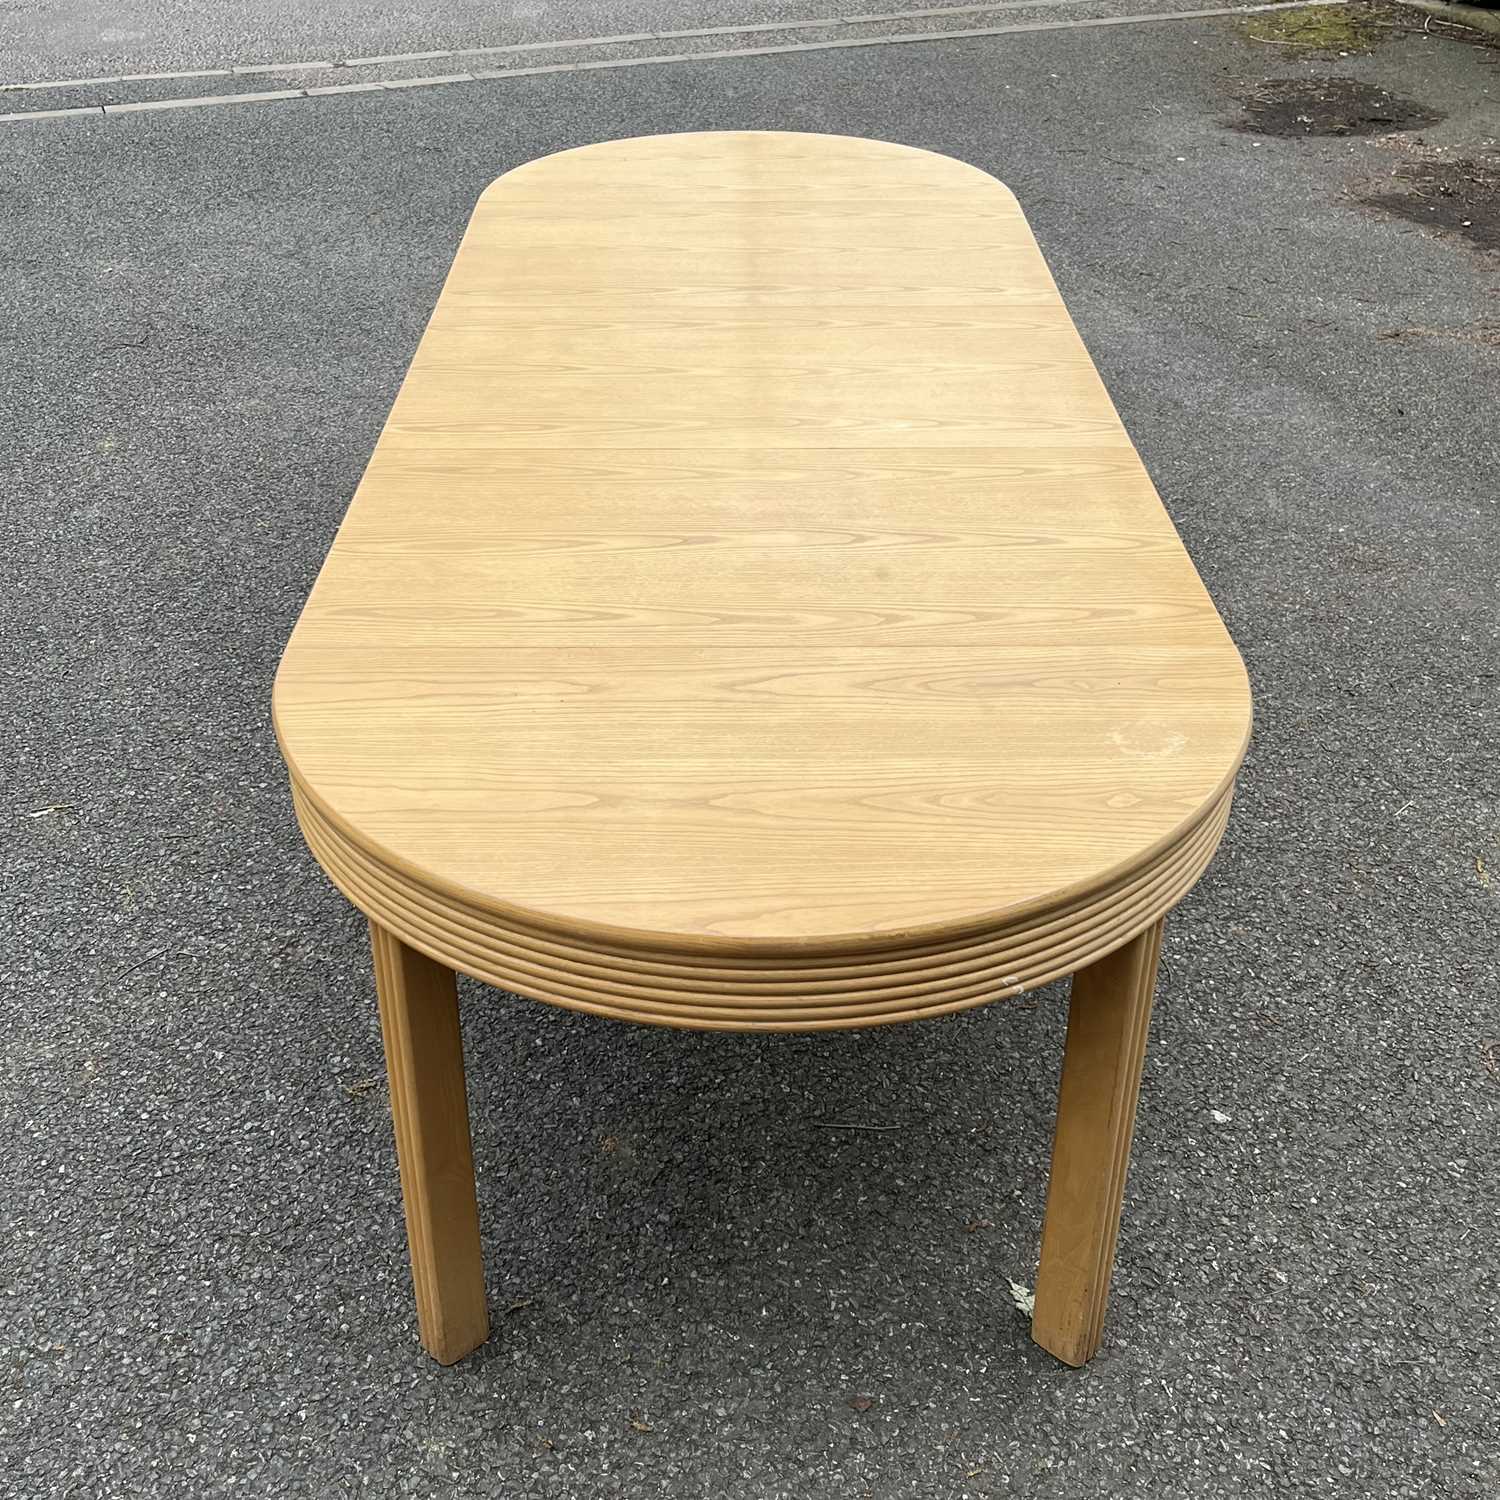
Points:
[754,612]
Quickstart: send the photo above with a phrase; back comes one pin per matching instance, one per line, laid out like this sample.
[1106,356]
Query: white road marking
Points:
[282,67]
[490,75]
[585,41]
[80,83]
[122,109]
[56,114]
[743,29]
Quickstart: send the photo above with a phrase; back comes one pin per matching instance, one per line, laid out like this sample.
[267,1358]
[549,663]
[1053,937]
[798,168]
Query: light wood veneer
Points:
[754,616]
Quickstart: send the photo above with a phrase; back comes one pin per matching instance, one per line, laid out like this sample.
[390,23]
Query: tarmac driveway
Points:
[699,1289]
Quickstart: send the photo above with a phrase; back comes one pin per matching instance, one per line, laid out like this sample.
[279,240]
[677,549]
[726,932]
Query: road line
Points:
[587,41]
[744,29]
[83,83]
[491,75]
[285,67]
[149,104]
[57,114]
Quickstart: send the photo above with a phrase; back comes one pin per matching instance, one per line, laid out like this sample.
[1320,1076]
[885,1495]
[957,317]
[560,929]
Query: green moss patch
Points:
[1319,31]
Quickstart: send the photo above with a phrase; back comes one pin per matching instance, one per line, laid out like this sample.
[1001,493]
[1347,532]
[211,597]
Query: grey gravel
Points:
[205,314]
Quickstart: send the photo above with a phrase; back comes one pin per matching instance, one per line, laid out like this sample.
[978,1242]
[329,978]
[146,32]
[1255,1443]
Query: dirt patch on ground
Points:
[1297,107]
[1324,31]
[1459,195]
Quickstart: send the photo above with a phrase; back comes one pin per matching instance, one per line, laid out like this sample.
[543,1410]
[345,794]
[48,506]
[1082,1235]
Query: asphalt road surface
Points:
[698,1288]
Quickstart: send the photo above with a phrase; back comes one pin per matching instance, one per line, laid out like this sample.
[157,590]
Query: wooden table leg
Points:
[425,1063]
[1108,1017]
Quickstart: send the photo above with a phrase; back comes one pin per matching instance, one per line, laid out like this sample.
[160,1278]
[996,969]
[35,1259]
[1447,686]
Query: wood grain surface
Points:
[430,1112]
[1109,1014]
[754,613]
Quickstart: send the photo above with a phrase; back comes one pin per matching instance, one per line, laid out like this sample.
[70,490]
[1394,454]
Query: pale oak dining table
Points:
[754,616]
